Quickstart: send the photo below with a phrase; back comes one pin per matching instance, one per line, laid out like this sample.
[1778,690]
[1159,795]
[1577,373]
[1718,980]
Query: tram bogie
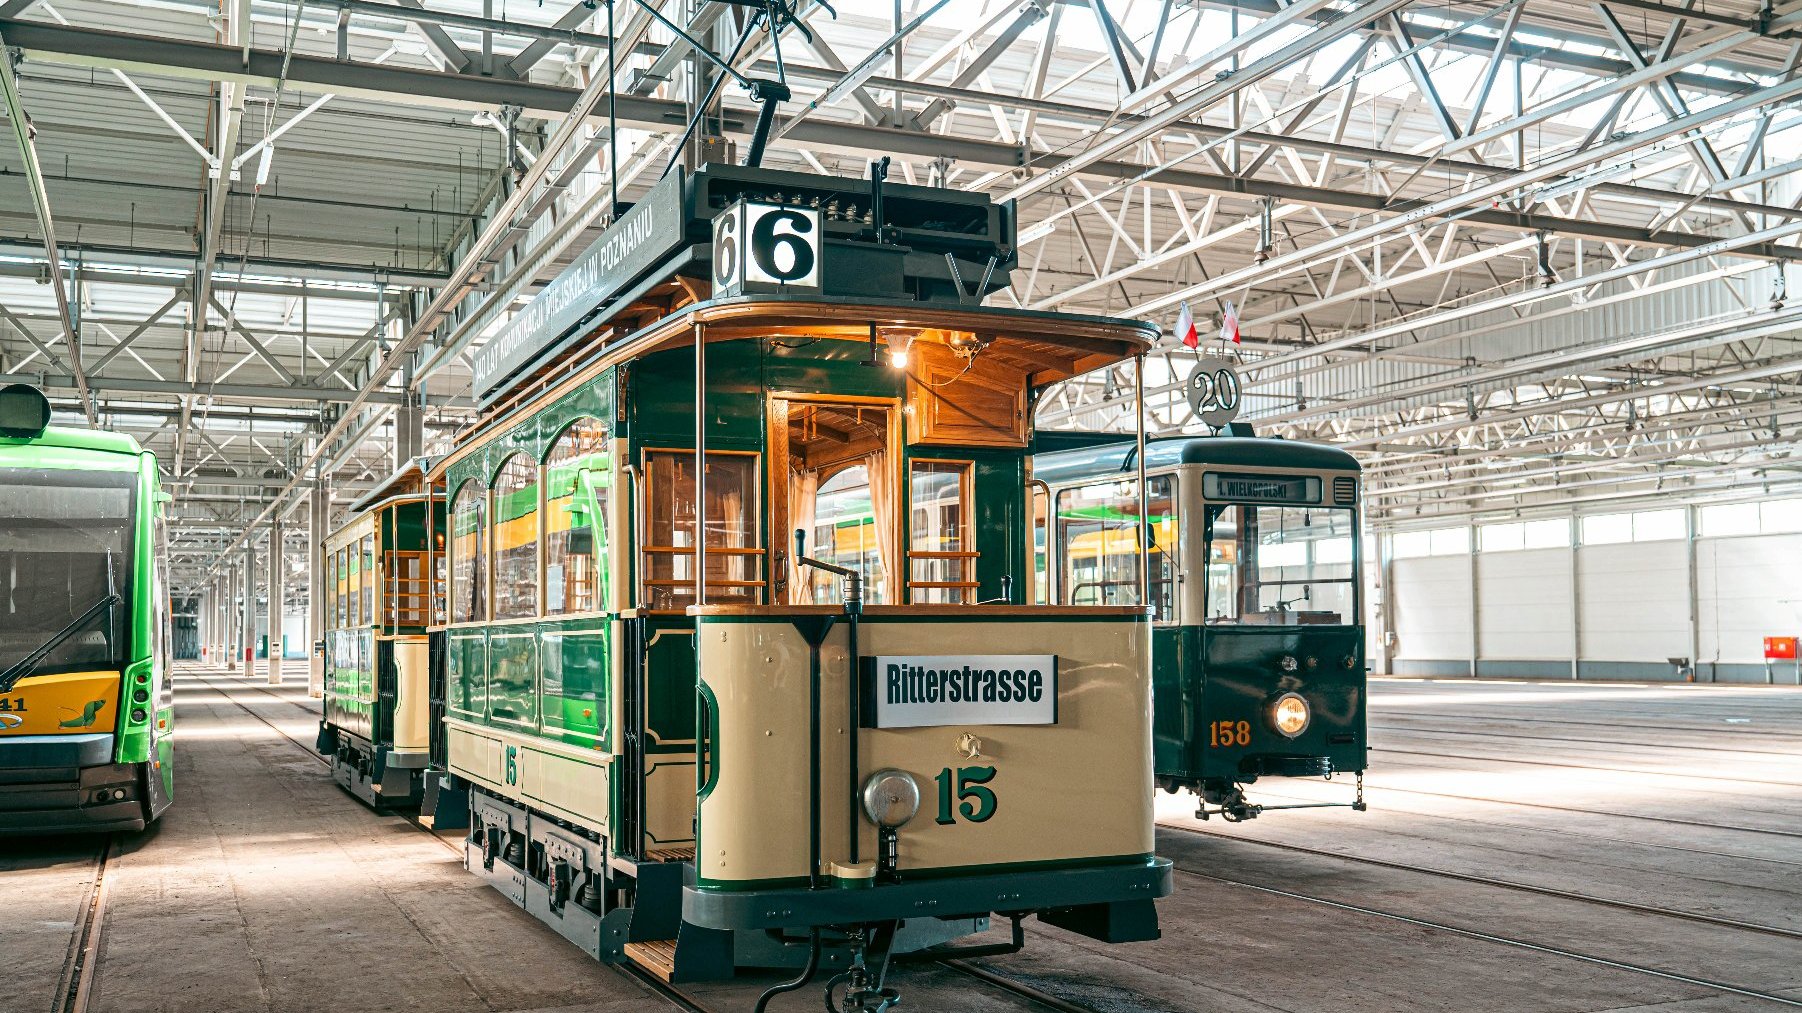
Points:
[87,707]
[749,746]
[1258,645]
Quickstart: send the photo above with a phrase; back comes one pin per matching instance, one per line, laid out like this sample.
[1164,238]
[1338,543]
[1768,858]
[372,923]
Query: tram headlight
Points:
[891,798]
[1290,714]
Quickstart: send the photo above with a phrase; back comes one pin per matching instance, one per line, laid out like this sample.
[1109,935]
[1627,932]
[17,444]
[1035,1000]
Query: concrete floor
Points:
[1529,847]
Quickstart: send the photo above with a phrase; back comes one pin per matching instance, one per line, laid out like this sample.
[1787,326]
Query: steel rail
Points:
[1490,937]
[1588,766]
[1545,891]
[75,985]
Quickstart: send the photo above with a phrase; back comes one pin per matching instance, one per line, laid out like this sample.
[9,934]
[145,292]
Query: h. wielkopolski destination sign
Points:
[639,240]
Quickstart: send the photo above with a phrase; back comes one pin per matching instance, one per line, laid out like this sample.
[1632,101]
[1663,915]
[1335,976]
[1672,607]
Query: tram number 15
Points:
[974,800]
[1229,733]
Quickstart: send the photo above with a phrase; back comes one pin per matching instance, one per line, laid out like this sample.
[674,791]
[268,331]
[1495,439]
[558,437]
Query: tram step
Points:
[657,956]
[671,855]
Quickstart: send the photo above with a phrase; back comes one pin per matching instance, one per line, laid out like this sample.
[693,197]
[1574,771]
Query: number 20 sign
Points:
[766,248]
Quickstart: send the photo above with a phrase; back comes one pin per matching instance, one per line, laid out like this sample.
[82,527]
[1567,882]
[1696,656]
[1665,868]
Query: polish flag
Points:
[1229,324]
[1185,327]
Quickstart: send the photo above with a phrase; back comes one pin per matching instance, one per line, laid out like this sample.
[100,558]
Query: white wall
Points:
[1635,600]
[1523,605]
[1431,605]
[1633,609]
[1747,588]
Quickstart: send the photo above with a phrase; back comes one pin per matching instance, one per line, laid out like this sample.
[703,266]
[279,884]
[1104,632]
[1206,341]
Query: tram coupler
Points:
[865,980]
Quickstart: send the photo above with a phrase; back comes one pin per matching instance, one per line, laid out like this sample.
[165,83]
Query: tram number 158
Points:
[974,800]
[1229,733]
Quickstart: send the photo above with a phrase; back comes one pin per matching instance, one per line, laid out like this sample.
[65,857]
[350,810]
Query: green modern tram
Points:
[86,705]
[1257,639]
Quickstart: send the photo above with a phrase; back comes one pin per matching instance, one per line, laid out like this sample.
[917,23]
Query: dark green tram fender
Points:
[1213,689]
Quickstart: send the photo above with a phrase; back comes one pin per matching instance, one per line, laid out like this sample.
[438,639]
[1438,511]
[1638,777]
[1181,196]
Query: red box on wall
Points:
[1780,648]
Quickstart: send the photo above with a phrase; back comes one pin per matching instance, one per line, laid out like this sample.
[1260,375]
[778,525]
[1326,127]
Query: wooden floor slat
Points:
[657,957]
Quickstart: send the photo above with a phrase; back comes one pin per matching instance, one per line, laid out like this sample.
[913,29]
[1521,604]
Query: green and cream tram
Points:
[86,703]
[1258,641]
[378,590]
[690,741]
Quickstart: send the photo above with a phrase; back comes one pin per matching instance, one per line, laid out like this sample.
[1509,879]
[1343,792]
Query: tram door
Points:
[833,468]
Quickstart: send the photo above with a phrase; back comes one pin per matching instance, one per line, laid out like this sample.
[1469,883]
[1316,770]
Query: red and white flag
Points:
[1229,324]
[1185,327]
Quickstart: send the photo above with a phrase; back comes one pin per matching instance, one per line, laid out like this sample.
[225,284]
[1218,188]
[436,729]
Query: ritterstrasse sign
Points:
[917,691]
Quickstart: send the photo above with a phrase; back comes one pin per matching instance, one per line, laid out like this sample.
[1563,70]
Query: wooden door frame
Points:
[776,406]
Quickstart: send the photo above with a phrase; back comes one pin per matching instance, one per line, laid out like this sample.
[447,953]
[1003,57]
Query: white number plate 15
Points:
[766,248]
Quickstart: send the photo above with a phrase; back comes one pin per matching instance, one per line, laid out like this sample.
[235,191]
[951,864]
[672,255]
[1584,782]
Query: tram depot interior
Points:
[1107,506]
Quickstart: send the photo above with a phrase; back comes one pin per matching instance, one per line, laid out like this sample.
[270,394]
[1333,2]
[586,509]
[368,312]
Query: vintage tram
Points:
[379,586]
[87,709]
[689,741]
[1257,640]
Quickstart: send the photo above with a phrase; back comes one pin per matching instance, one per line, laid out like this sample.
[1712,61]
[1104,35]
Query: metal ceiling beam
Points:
[234,391]
[475,264]
[1211,94]
[24,133]
[209,61]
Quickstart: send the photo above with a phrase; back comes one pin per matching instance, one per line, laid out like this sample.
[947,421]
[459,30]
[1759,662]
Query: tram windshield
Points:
[65,548]
[1281,565]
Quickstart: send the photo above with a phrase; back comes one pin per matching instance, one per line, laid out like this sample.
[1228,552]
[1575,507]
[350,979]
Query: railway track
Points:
[1511,736]
[74,985]
[1490,937]
[1529,828]
[1544,891]
[1715,778]
[1763,733]
[1368,786]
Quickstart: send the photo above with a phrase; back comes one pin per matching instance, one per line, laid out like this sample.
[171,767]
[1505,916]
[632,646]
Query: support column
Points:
[317,507]
[233,617]
[247,639]
[409,430]
[278,561]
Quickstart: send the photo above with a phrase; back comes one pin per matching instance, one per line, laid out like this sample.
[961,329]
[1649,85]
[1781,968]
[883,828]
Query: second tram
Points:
[1258,641]
[379,588]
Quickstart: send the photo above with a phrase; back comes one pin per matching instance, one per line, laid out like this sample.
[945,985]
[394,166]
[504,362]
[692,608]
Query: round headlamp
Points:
[1290,714]
[890,798]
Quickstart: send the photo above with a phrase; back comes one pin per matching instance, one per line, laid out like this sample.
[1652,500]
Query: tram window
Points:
[941,552]
[468,567]
[845,532]
[515,536]
[734,559]
[1099,552]
[352,586]
[1280,565]
[329,567]
[576,497]
[367,564]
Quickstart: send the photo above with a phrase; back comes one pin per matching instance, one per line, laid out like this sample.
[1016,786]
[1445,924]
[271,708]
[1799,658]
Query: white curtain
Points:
[888,527]
[803,493]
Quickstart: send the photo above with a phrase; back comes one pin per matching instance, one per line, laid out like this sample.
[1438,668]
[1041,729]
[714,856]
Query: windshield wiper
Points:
[11,676]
